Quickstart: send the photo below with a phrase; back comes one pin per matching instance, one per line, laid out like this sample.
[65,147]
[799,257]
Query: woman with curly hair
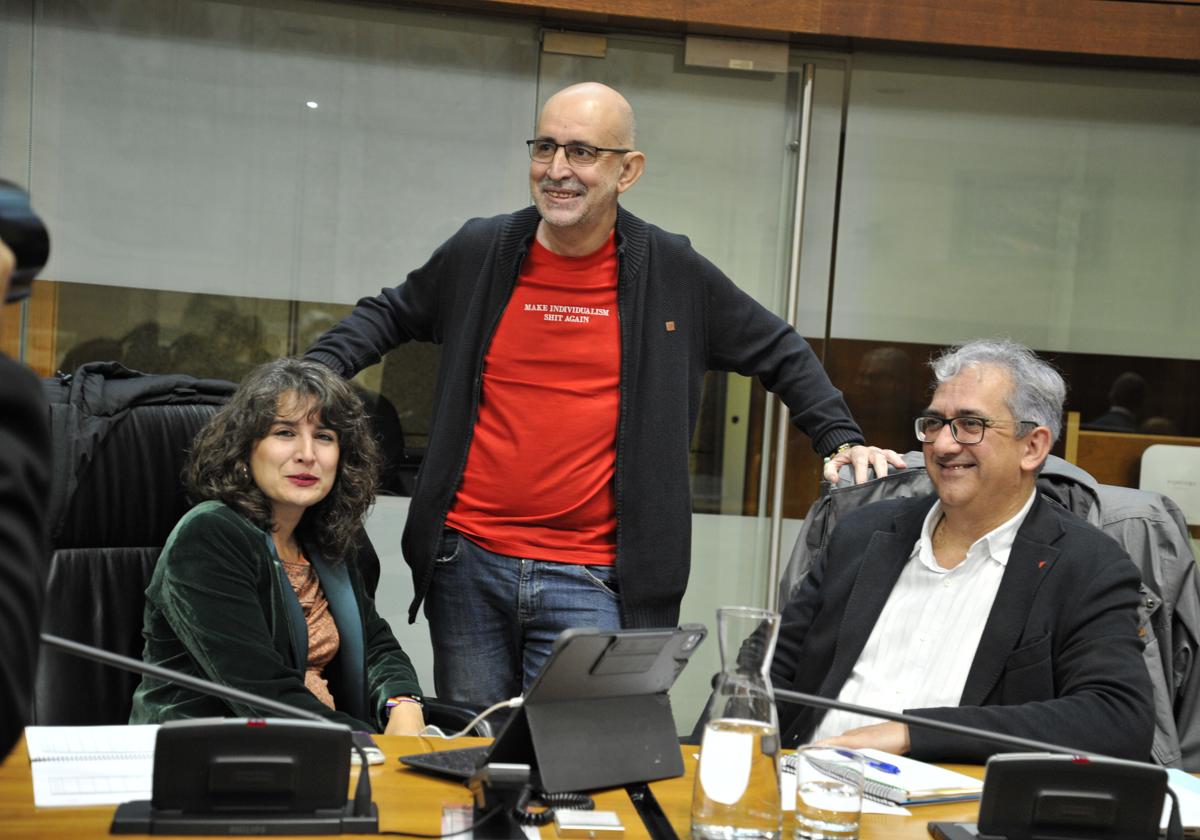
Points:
[256,587]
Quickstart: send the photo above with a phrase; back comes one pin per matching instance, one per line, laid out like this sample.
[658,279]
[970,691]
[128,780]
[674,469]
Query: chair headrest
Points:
[120,442]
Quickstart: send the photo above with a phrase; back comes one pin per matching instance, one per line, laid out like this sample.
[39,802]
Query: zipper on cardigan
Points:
[622,326]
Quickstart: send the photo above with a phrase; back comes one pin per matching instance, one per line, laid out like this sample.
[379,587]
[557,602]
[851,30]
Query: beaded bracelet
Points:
[392,702]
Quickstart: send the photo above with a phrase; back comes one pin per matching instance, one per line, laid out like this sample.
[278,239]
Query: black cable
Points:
[1175,822]
[362,790]
[552,801]
[651,812]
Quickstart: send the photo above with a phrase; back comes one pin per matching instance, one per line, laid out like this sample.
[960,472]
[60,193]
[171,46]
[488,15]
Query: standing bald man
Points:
[575,338]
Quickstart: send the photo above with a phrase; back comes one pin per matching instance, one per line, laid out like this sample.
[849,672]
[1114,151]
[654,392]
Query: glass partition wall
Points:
[222,181]
[1057,207]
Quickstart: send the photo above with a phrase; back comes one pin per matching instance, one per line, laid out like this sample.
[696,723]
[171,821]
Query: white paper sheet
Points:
[90,765]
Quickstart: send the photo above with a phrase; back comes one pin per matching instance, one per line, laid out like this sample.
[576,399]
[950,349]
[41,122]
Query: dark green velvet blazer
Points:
[220,606]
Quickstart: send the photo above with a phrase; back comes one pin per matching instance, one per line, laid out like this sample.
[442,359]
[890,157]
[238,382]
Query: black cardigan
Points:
[680,317]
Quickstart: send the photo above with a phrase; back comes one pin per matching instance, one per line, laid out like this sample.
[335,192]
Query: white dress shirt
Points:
[924,642]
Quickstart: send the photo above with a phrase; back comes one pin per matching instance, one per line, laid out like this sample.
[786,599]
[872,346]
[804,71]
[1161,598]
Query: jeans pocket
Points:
[450,548]
[606,579]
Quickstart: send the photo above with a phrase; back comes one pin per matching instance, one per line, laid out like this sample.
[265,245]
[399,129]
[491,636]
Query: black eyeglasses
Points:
[966,430]
[578,154]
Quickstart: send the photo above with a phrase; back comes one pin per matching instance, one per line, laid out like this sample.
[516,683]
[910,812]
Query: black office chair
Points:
[120,441]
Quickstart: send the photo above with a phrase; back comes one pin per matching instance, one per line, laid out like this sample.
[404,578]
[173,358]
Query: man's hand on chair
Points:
[862,457]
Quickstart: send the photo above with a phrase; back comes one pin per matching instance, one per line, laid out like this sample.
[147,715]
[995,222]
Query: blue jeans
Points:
[494,618]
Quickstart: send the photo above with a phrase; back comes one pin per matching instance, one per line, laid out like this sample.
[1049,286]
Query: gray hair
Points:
[1038,390]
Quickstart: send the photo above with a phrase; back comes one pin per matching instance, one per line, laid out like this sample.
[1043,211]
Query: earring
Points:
[243,472]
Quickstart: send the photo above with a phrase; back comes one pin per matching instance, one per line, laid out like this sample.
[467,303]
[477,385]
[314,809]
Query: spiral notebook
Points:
[899,780]
[90,765]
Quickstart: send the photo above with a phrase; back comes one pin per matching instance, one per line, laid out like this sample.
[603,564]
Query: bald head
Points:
[598,105]
[577,194]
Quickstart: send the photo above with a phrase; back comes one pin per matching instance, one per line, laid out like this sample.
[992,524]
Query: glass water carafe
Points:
[736,796]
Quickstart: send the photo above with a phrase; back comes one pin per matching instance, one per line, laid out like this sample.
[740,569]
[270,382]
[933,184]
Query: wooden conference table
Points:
[411,801]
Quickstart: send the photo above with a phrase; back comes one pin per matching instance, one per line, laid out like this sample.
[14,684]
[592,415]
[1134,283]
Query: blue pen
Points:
[882,766]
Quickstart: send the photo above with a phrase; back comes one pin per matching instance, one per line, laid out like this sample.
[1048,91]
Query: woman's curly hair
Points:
[218,466]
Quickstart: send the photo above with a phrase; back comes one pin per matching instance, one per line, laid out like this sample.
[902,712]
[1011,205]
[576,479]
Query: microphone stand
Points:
[916,720]
[200,684]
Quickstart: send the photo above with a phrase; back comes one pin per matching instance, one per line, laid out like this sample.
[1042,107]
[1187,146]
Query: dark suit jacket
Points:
[1059,660]
[24,492]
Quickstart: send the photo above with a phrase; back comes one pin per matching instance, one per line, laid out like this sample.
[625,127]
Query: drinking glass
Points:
[829,790]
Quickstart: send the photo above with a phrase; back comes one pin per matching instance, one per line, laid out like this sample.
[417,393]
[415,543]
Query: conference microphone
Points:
[363,813]
[1174,825]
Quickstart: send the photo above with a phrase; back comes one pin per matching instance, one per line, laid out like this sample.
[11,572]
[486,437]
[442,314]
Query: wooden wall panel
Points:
[783,17]
[41,328]
[1158,31]
[41,333]
[1092,27]
[10,330]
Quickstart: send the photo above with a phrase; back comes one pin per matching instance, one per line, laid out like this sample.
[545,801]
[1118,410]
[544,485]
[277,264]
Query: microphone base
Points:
[141,817]
[959,831]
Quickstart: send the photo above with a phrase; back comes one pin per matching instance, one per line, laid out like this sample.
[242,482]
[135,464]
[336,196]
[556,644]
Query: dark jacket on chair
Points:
[220,606]
[1060,659]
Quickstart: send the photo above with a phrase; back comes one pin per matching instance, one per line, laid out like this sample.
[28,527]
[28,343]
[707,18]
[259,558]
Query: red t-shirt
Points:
[539,476]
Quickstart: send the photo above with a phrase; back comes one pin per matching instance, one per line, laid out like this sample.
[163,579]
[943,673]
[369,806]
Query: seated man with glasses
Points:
[984,605]
[575,339]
